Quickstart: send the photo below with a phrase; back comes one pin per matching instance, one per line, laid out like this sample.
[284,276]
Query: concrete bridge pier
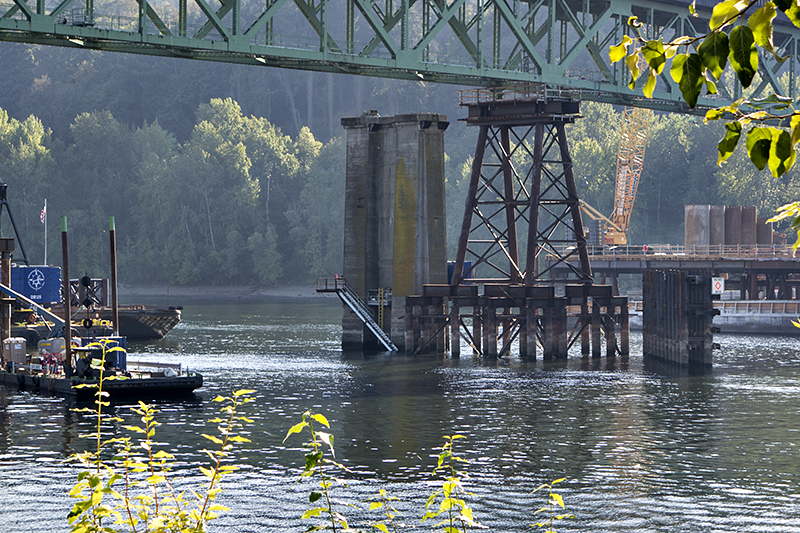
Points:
[394,231]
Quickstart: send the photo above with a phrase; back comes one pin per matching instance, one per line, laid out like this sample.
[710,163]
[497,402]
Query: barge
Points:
[760,317]
[119,389]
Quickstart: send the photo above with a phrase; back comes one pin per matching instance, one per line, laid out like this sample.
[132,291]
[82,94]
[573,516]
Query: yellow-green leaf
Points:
[759,141]
[650,85]
[725,13]
[795,127]
[714,52]
[760,23]
[297,428]
[733,132]
[676,70]
[691,79]
[213,439]
[782,155]
[161,454]
[655,55]
[312,512]
[617,52]
[321,419]
[743,54]
[632,62]
[793,13]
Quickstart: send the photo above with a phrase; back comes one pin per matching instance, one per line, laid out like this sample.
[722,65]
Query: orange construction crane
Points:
[630,159]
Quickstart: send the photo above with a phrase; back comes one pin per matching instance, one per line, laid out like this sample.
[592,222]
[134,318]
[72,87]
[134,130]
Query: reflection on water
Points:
[641,451]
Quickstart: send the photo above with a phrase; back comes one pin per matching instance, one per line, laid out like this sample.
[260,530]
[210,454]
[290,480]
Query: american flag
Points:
[44,212]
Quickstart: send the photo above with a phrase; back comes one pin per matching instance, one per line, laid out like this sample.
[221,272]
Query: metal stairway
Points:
[357,305]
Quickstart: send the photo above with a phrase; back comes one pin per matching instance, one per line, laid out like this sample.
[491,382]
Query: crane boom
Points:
[630,160]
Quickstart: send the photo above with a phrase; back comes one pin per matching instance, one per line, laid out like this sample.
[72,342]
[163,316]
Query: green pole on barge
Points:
[112,237]
[67,299]
[6,248]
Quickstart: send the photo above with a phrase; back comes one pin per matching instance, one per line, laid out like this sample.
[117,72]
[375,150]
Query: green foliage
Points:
[133,492]
[792,213]
[456,516]
[318,464]
[554,502]
[767,146]
[384,502]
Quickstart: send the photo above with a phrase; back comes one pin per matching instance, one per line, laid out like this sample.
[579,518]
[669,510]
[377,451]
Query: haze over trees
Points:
[225,174]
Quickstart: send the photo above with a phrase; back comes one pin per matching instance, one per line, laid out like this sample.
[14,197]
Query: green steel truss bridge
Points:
[478,43]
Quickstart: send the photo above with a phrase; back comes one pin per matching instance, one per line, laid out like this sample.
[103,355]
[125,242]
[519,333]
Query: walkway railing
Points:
[743,307]
[667,252]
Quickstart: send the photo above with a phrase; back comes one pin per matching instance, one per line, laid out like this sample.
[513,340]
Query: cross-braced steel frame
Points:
[521,191]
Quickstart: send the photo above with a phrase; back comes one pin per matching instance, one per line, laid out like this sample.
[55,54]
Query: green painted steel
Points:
[479,43]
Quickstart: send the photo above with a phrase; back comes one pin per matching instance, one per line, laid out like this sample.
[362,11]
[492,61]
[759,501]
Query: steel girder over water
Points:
[468,42]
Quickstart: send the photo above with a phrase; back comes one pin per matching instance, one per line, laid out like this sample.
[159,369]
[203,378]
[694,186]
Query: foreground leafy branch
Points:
[554,502]
[147,500]
[737,29]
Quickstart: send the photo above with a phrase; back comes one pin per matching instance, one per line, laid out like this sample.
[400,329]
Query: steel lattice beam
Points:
[482,43]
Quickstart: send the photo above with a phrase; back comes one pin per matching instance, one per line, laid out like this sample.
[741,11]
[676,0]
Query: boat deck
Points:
[134,388]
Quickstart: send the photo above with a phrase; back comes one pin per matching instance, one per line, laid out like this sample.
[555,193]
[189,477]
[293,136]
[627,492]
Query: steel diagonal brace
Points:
[461,32]
[365,6]
[18,4]
[61,7]
[498,237]
[584,37]
[768,76]
[444,19]
[311,15]
[519,32]
[263,19]
[214,19]
[389,22]
[152,15]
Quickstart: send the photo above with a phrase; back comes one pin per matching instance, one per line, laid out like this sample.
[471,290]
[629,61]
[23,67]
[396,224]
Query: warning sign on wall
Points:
[717,285]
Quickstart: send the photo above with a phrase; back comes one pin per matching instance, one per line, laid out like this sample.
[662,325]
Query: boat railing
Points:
[152,367]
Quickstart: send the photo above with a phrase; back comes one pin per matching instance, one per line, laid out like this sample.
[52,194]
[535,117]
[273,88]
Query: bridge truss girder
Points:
[482,43]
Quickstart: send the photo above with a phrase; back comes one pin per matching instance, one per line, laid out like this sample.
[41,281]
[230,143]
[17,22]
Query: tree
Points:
[26,166]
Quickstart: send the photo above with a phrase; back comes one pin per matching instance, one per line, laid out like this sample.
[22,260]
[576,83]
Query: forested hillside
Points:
[226,174]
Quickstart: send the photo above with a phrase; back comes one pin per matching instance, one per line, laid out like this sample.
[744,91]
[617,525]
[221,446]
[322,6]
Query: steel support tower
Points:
[521,203]
[522,193]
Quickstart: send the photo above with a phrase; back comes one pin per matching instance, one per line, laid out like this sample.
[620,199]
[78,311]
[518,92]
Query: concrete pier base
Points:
[394,233]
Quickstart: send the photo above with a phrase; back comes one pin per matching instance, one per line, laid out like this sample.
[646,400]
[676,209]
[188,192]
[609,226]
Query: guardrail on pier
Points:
[669,252]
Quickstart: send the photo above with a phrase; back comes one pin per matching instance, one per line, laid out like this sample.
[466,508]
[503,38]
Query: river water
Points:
[642,451]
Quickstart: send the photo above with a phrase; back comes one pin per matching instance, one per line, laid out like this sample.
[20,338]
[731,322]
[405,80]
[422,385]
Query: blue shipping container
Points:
[42,284]
[116,359]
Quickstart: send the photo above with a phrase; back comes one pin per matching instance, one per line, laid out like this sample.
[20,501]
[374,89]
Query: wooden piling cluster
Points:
[503,316]
[677,317]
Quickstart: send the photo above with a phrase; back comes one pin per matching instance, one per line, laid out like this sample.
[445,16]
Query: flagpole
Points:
[45,231]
